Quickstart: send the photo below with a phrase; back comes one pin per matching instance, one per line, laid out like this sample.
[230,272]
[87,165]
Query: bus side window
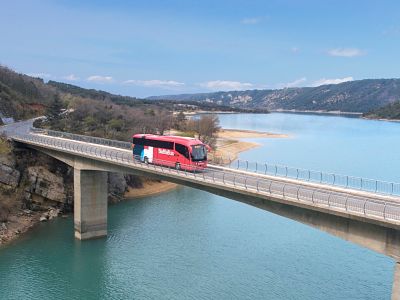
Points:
[182,150]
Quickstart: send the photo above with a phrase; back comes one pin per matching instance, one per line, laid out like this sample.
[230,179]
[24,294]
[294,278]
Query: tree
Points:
[54,109]
[116,124]
[180,121]
[162,121]
[206,128]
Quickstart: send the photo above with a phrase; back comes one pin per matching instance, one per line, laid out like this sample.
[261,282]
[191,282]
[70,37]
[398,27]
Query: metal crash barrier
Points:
[89,147]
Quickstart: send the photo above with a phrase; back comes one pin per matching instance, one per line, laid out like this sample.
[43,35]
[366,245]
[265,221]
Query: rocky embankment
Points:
[35,187]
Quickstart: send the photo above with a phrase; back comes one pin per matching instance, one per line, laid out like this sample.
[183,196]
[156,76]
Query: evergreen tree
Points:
[54,110]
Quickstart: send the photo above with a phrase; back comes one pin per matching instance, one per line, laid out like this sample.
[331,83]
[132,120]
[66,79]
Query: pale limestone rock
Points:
[9,175]
[46,184]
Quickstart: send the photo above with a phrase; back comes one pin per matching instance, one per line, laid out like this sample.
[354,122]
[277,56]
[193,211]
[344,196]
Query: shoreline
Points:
[381,119]
[230,143]
[19,223]
[319,112]
[227,133]
[150,188]
[200,112]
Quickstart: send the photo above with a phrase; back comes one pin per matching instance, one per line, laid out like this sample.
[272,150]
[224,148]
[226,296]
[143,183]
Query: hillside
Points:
[388,112]
[22,96]
[90,93]
[353,96]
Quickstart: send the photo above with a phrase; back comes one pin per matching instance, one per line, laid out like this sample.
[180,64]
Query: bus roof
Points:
[187,141]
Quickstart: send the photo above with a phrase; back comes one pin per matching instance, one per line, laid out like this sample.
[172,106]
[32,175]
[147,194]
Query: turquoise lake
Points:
[189,244]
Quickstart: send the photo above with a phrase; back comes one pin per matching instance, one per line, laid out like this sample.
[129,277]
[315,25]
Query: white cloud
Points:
[346,52]
[71,77]
[250,21]
[166,84]
[100,79]
[39,75]
[226,85]
[323,81]
[294,83]
[295,49]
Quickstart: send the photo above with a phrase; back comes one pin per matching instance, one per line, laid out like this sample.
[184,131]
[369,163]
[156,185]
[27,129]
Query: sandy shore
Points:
[150,188]
[241,134]
[229,144]
[319,112]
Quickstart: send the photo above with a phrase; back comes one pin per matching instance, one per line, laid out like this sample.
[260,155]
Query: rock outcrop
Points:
[45,184]
[35,187]
[117,184]
[9,176]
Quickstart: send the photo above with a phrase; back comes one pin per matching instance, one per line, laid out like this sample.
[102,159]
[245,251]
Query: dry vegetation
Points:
[5,147]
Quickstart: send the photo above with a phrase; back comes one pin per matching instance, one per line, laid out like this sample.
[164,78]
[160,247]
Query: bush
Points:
[5,147]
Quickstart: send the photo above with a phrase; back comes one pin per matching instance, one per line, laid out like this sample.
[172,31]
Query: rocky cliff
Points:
[34,187]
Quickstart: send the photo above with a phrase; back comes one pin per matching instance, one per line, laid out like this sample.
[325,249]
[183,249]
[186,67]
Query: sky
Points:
[155,47]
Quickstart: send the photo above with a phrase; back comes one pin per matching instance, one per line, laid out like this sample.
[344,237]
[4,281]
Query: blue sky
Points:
[154,47]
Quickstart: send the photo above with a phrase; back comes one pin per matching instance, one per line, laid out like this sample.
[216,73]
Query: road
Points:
[358,202]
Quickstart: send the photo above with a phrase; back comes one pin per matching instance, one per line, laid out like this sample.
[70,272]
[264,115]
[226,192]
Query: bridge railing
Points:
[83,138]
[344,202]
[345,181]
[352,182]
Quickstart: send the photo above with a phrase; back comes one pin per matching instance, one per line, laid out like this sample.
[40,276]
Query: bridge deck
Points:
[374,207]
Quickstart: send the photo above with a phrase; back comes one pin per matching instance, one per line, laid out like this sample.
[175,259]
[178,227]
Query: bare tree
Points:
[206,128]
[162,121]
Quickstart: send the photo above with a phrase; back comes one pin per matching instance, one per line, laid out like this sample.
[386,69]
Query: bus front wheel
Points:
[178,166]
[146,160]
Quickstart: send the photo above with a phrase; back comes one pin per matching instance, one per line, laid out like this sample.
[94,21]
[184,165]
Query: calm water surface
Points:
[189,244]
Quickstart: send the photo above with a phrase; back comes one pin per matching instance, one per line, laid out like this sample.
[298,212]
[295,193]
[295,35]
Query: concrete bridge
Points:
[367,218]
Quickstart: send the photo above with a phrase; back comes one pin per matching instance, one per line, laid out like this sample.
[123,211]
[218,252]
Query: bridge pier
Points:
[90,204]
[396,282]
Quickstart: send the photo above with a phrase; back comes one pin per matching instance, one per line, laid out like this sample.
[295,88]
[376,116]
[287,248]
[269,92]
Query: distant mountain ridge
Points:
[352,96]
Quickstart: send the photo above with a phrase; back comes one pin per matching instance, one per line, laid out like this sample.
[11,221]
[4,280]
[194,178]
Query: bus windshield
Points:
[199,152]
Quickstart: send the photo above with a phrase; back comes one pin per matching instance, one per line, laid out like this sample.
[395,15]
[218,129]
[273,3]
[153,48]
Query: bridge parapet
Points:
[82,138]
[372,206]
[343,181]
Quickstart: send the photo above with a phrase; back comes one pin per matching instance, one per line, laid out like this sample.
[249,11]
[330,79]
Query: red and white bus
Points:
[172,151]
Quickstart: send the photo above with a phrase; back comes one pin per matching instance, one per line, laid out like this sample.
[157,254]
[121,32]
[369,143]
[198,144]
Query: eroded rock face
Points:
[117,186]
[117,183]
[40,182]
[46,184]
[9,176]
[4,212]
